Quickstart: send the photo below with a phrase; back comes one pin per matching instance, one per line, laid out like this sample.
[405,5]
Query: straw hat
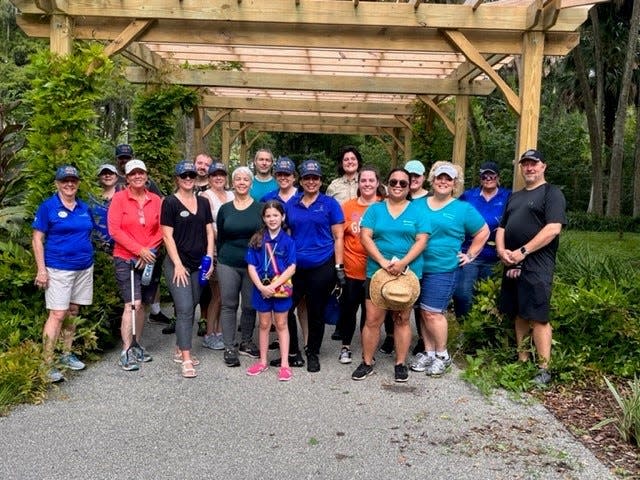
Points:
[394,292]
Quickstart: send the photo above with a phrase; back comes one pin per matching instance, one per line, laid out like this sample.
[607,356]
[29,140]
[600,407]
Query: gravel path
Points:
[104,423]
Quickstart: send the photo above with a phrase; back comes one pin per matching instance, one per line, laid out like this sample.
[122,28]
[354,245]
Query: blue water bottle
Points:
[205,265]
[147,273]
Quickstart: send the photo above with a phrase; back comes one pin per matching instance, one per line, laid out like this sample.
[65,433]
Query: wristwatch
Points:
[339,266]
[523,251]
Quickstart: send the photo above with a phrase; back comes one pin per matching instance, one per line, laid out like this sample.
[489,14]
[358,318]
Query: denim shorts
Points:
[436,290]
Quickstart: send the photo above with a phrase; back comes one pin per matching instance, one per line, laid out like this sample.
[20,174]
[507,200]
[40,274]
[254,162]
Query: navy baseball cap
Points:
[534,155]
[217,167]
[124,150]
[489,167]
[185,167]
[310,167]
[67,171]
[284,165]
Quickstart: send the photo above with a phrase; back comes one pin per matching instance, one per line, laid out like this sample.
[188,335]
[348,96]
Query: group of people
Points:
[277,245]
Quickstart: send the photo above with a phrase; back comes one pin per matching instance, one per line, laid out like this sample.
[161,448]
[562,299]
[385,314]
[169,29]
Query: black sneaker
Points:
[249,349]
[402,373]
[387,346]
[313,363]
[202,328]
[336,335]
[231,358]
[543,377]
[295,360]
[275,345]
[362,372]
[419,348]
[160,318]
[169,329]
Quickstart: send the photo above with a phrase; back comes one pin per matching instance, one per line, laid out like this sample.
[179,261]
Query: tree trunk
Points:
[595,133]
[636,161]
[617,152]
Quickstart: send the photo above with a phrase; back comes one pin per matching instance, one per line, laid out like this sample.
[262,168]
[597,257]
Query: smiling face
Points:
[489,181]
[272,218]
[107,179]
[350,163]
[68,187]
[533,172]
[202,164]
[285,180]
[137,178]
[368,184]
[241,183]
[416,182]
[263,162]
[398,185]
[311,184]
[218,180]
[443,185]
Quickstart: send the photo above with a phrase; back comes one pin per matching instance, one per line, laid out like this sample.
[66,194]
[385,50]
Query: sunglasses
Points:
[314,178]
[394,183]
[488,176]
[190,175]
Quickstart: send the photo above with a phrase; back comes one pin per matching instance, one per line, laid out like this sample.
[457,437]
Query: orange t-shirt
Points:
[355,257]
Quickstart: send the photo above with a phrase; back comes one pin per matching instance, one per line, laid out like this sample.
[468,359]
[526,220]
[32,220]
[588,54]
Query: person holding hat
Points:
[187,231]
[315,221]
[451,220]
[134,223]
[394,234]
[527,241]
[107,179]
[285,171]
[217,195]
[345,187]
[63,253]
[263,181]
[489,199]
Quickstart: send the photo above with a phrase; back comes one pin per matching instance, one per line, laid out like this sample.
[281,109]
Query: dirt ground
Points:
[579,408]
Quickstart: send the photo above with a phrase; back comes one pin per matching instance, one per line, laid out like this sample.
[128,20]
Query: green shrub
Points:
[627,422]
[23,378]
[591,222]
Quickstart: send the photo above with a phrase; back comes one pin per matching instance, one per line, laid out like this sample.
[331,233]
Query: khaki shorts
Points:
[68,286]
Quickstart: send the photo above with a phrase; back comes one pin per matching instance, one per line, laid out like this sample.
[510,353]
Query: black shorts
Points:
[528,296]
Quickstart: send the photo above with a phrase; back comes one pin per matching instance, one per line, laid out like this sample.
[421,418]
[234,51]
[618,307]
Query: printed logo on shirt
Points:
[409,223]
[184,213]
[62,214]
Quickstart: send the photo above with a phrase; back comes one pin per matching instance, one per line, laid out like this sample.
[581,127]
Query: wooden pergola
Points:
[326,66]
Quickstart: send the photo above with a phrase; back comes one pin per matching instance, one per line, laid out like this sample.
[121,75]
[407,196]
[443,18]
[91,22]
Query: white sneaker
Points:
[345,355]
[421,362]
[439,366]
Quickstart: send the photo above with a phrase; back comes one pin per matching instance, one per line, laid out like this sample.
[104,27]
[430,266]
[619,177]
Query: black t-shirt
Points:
[189,230]
[526,213]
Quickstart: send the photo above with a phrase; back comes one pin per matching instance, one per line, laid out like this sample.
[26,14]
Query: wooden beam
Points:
[293,128]
[333,83]
[139,54]
[128,35]
[475,57]
[321,106]
[303,36]
[530,88]
[313,119]
[474,4]
[443,116]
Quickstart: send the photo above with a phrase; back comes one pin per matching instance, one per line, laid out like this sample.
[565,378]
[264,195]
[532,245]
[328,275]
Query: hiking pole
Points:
[134,341]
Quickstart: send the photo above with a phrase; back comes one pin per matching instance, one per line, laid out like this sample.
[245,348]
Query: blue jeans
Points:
[185,298]
[465,287]
[436,290]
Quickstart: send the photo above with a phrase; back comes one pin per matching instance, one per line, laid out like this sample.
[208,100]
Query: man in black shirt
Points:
[527,241]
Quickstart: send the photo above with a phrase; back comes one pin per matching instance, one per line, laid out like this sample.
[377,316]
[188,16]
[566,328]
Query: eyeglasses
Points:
[190,175]
[488,176]
[403,183]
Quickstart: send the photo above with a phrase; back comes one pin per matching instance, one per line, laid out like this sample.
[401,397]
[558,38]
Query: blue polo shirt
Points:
[491,211]
[67,244]
[311,228]
[284,254]
[275,195]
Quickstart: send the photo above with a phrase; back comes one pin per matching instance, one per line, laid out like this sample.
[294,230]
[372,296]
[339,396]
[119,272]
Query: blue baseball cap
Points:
[67,171]
[185,167]
[534,155]
[217,167]
[310,167]
[284,165]
[124,150]
[415,166]
[489,167]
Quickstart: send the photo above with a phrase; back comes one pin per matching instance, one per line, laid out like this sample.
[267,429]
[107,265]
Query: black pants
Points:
[352,298]
[315,285]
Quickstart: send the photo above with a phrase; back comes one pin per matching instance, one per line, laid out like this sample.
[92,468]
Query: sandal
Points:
[177,357]
[187,369]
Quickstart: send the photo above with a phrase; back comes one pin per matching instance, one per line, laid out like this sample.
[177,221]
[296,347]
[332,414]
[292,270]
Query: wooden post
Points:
[61,35]
[244,147]
[408,136]
[530,89]
[226,143]
[198,143]
[461,123]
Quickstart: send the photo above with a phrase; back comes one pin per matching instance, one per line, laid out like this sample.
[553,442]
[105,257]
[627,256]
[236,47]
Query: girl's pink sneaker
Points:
[284,374]
[256,369]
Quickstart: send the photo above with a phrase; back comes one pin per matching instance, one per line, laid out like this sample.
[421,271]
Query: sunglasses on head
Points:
[190,175]
[488,176]
[403,183]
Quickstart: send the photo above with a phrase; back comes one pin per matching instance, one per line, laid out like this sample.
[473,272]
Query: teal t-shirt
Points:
[394,237]
[449,226]
[260,189]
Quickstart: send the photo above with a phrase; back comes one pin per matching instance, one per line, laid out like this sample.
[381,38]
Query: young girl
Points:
[272,253]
